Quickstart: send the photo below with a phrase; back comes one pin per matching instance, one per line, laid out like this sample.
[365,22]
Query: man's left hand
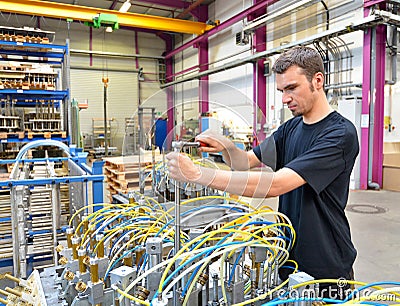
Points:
[182,168]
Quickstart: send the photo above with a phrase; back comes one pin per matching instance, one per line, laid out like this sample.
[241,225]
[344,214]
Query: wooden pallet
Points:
[19,135]
[127,184]
[119,175]
[46,135]
[131,162]
[113,189]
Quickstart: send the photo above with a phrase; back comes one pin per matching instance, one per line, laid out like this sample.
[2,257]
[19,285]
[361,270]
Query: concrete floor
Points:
[376,236]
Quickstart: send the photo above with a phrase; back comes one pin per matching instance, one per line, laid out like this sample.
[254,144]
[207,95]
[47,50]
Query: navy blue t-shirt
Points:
[323,154]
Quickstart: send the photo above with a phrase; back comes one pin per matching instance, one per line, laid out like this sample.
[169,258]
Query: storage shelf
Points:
[23,98]
[26,139]
[42,94]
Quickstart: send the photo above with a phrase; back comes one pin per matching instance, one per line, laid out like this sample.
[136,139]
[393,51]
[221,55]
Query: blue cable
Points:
[234,266]
[368,286]
[171,276]
[118,260]
[191,278]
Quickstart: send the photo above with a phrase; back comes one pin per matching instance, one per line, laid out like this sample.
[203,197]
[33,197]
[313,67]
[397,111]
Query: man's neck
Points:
[318,113]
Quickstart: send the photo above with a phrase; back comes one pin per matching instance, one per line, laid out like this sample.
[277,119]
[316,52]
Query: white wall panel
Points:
[121,99]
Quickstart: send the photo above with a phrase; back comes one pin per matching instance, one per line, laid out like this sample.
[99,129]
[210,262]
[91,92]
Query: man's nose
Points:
[286,98]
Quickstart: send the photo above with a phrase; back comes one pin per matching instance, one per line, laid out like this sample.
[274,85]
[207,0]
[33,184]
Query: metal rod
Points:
[177,244]
[105,80]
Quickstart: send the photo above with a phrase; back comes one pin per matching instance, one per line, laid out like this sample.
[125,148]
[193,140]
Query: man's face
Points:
[297,92]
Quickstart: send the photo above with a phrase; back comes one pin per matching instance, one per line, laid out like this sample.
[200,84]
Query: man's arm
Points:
[234,157]
[259,184]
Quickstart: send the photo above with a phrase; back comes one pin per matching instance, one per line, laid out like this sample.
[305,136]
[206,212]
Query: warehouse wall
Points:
[87,72]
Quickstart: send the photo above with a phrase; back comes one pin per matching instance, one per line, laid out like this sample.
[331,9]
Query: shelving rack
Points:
[34,107]
[98,132]
[33,209]
[34,92]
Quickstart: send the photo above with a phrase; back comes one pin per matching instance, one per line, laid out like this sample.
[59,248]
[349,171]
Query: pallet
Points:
[127,184]
[46,135]
[131,162]
[12,135]
[118,175]
[31,135]
[115,189]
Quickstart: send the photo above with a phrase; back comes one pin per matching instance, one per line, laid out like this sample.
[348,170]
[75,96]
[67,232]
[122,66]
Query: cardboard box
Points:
[391,178]
[391,166]
[391,147]
[391,159]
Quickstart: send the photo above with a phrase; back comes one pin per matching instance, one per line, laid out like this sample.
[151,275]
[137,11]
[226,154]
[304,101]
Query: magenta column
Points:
[204,85]
[202,45]
[259,80]
[377,165]
[169,71]
[366,96]
[371,160]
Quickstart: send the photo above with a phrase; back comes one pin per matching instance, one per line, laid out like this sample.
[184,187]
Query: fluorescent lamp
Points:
[125,7]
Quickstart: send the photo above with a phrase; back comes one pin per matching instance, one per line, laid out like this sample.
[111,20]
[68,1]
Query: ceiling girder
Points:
[83,13]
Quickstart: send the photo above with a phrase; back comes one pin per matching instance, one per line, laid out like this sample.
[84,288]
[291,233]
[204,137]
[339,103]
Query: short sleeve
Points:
[266,152]
[324,161]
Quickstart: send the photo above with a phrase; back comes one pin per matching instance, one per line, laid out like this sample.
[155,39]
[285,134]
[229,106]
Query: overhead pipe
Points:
[277,14]
[362,24]
[221,27]
[115,54]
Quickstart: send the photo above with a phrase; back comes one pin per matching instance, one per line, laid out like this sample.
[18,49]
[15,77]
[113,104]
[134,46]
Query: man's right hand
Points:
[214,142]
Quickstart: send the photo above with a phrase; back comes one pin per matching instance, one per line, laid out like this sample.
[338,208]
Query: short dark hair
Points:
[308,59]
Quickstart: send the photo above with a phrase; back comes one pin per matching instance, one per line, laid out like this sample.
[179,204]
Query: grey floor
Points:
[374,218]
[376,234]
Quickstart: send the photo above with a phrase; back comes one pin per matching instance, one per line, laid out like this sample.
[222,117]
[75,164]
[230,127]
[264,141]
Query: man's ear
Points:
[318,80]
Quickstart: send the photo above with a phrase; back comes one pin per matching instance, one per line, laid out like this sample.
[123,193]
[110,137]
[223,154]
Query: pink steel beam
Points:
[377,155]
[113,5]
[365,107]
[190,10]
[259,80]
[169,3]
[222,26]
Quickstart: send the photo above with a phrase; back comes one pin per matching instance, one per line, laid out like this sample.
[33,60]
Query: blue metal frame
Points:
[56,180]
[33,54]
[94,174]
[34,137]
[36,94]
[33,160]
[33,45]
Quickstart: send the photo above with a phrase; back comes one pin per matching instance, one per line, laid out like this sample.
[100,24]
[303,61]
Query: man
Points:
[315,154]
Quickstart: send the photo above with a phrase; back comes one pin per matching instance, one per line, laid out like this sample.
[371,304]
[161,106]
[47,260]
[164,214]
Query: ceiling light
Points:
[109,29]
[125,7]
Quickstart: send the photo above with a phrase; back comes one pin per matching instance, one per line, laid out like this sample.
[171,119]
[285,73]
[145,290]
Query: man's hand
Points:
[181,168]
[214,142]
